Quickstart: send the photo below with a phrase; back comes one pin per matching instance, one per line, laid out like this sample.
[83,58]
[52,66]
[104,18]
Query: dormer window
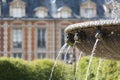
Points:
[88,9]
[64,12]
[17,8]
[88,12]
[41,12]
[17,12]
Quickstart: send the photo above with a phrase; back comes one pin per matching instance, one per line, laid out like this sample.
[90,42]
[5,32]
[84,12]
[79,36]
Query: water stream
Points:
[60,52]
[65,57]
[74,58]
[77,64]
[99,65]
[91,57]
[76,61]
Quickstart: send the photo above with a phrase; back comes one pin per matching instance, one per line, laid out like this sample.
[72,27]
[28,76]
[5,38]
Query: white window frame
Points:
[19,37]
[17,12]
[87,12]
[41,33]
[64,14]
[41,55]
[41,13]
[17,55]
[62,37]
[66,57]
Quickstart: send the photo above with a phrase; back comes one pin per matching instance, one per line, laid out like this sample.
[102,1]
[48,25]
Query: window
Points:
[41,41]
[66,57]
[17,55]
[88,12]
[17,38]
[17,8]
[88,9]
[62,37]
[64,14]
[41,55]
[41,12]
[17,12]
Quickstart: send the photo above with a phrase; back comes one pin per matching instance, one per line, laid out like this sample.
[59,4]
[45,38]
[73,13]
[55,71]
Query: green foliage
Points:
[109,70]
[17,69]
[11,69]
[43,70]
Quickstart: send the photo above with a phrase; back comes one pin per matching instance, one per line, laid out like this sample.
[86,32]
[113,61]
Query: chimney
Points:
[53,8]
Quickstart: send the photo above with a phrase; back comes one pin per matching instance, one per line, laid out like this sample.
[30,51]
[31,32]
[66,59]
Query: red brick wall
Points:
[9,40]
[25,42]
[1,38]
[33,42]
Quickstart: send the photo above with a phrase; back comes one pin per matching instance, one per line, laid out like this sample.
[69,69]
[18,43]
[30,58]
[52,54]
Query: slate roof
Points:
[32,4]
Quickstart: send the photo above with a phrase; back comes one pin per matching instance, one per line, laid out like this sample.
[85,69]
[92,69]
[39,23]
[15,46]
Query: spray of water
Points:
[91,57]
[99,65]
[64,60]
[61,50]
[77,64]
[74,58]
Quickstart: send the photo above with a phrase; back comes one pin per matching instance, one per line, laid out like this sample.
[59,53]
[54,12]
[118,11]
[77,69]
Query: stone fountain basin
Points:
[108,47]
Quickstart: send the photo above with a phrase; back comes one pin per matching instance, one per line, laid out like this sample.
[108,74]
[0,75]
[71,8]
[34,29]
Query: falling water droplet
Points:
[61,50]
[91,57]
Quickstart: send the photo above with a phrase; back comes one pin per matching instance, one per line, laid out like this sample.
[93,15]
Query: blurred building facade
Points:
[34,29]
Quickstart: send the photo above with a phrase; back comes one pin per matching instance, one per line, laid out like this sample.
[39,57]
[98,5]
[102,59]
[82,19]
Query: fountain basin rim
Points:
[92,24]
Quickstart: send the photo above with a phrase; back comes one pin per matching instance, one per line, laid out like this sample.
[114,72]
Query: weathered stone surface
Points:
[108,47]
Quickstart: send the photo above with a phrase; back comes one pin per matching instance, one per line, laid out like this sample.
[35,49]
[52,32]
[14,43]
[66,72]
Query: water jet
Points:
[86,33]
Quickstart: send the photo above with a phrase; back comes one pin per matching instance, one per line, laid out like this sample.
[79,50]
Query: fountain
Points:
[96,38]
[107,31]
[99,38]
